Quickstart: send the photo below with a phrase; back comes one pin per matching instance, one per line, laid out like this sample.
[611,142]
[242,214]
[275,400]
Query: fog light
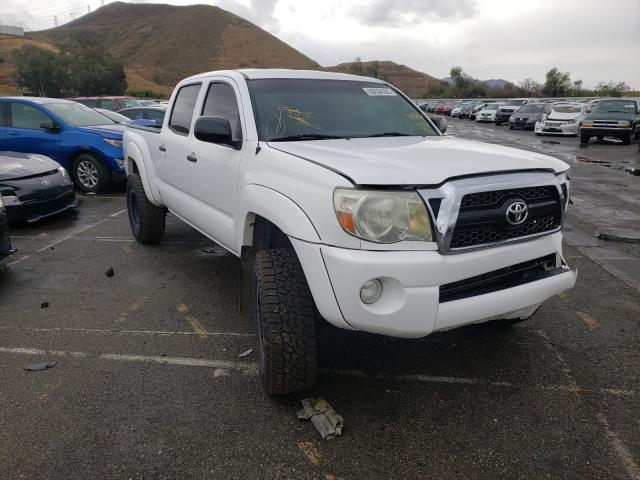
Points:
[371,291]
[120,162]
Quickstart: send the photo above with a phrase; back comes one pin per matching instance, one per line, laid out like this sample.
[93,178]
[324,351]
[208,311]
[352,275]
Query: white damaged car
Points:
[488,113]
[563,119]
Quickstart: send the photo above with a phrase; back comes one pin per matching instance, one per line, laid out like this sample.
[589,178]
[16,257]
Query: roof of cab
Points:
[263,73]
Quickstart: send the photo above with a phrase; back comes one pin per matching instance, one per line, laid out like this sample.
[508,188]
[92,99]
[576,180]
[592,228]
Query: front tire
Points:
[584,138]
[147,220]
[626,140]
[90,174]
[285,318]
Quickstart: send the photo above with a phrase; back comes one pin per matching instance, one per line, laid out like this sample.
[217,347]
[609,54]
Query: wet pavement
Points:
[149,385]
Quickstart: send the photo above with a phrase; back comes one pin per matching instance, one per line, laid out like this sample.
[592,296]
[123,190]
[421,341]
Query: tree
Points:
[1,60]
[39,71]
[530,87]
[79,69]
[612,89]
[557,83]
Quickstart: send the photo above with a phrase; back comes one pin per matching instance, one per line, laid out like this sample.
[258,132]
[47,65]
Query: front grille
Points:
[496,280]
[492,199]
[476,236]
[482,216]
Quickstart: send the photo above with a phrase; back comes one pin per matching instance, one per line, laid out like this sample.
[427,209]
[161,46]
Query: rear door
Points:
[214,174]
[25,134]
[171,158]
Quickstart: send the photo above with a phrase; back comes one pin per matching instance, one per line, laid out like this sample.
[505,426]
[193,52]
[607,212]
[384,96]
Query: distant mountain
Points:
[493,82]
[162,44]
[410,81]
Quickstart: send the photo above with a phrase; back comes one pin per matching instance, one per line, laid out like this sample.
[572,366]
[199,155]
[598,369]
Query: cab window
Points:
[27,116]
[221,102]
[107,105]
[183,107]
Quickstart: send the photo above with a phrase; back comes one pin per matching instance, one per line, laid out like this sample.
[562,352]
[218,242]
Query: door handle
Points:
[192,157]
[14,134]
[162,148]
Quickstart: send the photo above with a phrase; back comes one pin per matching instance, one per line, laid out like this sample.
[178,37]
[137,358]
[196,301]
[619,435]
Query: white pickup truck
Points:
[346,204]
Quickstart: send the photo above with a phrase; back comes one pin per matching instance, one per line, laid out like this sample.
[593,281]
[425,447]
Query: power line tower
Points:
[55,20]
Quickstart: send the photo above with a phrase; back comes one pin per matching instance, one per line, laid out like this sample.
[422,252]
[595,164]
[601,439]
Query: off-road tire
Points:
[285,318]
[626,140]
[584,139]
[147,220]
[103,173]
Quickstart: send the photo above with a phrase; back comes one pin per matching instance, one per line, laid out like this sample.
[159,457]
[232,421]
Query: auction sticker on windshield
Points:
[379,92]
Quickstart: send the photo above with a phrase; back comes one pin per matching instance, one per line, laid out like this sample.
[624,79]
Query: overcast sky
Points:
[511,39]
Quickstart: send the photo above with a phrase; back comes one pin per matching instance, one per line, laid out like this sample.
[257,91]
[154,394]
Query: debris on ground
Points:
[44,304]
[323,416]
[34,367]
[626,236]
[109,273]
[245,354]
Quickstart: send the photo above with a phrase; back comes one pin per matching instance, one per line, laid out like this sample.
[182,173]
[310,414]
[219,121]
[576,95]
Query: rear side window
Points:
[107,105]
[26,116]
[183,107]
[156,115]
[89,103]
[133,114]
[221,102]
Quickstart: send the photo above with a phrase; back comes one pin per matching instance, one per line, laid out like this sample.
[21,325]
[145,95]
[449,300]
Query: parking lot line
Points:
[225,367]
[71,235]
[113,215]
[128,332]
[632,468]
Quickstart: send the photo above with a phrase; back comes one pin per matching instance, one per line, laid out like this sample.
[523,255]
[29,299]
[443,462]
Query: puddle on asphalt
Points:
[551,142]
[633,171]
[615,166]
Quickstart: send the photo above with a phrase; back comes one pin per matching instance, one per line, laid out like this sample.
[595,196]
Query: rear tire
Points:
[285,318]
[147,220]
[90,174]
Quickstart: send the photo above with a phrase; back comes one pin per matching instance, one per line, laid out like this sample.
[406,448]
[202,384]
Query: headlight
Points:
[624,123]
[565,184]
[382,217]
[115,143]
[65,175]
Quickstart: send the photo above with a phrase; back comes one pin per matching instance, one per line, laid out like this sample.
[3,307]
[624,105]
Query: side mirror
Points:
[50,126]
[215,130]
[440,122]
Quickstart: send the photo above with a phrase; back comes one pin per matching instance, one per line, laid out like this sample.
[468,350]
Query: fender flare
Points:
[276,207]
[135,156]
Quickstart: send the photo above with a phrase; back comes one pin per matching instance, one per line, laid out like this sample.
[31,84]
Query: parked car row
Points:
[608,117]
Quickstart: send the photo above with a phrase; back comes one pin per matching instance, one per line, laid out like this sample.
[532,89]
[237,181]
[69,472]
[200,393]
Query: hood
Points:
[563,116]
[108,131]
[15,165]
[615,116]
[527,114]
[510,108]
[415,160]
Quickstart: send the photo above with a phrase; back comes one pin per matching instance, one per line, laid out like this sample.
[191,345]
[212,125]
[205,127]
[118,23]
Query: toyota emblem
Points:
[45,182]
[517,212]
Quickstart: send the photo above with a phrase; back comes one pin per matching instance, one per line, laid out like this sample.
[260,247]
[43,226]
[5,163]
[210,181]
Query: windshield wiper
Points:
[305,136]
[390,134]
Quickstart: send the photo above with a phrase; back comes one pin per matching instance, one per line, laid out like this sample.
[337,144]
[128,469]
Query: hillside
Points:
[410,81]
[7,44]
[492,82]
[161,44]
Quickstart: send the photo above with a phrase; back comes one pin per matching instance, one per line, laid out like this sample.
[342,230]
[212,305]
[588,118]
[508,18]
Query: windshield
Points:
[610,106]
[491,106]
[515,103]
[79,115]
[304,109]
[567,108]
[532,108]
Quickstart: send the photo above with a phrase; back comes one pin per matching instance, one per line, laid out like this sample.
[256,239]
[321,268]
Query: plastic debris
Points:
[34,367]
[44,304]
[109,273]
[328,423]
[245,354]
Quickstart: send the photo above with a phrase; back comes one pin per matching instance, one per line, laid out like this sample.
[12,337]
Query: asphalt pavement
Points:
[149,383]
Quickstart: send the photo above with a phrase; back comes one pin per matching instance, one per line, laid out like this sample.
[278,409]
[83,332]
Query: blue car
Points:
[85,142]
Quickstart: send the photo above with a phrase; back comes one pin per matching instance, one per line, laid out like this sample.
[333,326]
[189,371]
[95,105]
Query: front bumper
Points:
[482,118]
[524,123]
[35,210]
[606,131]
[552,129]
[503,116]
[411,305]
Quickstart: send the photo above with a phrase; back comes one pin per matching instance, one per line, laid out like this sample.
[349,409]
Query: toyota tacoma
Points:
[346,204]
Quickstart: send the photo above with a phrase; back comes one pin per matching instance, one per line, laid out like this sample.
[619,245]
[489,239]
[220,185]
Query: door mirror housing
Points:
[215,130]
[440,122]
[50,126]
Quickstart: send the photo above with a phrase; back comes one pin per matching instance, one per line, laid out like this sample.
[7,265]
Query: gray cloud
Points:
[397,13]
[260,12]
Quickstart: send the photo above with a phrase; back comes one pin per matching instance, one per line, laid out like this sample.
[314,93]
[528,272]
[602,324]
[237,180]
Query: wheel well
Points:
[267,235]
[89,152]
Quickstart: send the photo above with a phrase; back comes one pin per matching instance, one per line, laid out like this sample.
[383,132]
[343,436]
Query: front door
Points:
[26,134]
[214,173]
